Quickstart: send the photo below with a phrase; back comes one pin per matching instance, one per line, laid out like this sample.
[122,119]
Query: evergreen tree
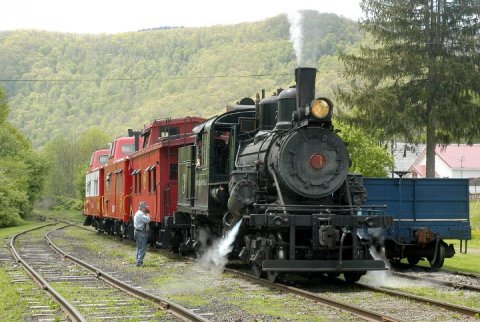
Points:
[421,75]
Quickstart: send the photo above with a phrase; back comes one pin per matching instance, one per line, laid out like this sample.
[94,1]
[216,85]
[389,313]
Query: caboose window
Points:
[166,131]
[173,171]
[149,179]
[103,159]
[154,178]
[119,182]
[146,136]
[128,148]
[138,181]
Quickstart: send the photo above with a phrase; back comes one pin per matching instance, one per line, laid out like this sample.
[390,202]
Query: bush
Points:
[14,204]
[65,203]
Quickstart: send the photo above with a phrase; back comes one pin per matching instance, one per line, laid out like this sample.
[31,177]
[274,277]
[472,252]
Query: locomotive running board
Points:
[322,265]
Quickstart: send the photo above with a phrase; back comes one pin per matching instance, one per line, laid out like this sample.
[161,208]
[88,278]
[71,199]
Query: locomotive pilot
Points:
[140,223]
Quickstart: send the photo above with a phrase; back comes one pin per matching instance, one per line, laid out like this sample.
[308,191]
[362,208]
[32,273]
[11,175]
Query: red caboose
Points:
[94,184]
[154,168]
[117,183]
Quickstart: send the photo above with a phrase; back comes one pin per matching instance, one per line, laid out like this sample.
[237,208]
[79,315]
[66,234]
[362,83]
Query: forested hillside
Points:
[74,82]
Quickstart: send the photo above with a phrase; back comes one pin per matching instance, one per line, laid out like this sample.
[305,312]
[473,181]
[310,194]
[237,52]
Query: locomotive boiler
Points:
[280,167]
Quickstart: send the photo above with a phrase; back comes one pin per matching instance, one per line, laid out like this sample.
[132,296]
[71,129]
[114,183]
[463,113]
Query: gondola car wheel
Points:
[413,260]
[438,263]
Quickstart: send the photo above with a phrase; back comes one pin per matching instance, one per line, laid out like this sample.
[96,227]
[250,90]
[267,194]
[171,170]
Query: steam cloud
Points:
[216,257]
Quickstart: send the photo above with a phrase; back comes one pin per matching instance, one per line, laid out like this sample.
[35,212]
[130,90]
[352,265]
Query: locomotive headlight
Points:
[320,108]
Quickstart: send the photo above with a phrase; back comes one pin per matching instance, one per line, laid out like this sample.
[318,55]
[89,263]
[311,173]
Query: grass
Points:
[69,215]
[75,292]
[459,297]
[10,231]
[469,262]
[272,304]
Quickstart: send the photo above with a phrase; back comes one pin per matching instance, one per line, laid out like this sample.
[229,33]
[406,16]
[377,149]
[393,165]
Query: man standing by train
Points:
[140,223]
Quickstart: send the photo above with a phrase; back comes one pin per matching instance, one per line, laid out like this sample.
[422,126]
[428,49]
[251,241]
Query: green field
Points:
[469,262]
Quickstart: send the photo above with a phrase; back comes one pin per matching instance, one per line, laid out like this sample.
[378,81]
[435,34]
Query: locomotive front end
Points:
[292,188]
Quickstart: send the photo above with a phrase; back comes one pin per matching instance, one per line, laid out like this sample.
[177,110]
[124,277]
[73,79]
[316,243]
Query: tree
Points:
[68,157]
[368,157]
[21,171]
[421,76]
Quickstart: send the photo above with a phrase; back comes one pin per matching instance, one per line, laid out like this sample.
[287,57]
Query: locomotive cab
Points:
[204,172]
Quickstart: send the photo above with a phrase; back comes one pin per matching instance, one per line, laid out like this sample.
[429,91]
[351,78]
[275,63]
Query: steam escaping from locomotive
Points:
[296,35]
[216,257]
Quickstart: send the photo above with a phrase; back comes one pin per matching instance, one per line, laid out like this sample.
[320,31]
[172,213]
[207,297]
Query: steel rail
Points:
[66,306]
[363,313]
[450,307]
[174,308]
[439,282]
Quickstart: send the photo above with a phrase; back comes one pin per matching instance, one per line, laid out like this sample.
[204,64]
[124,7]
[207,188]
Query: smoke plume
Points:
[296,35]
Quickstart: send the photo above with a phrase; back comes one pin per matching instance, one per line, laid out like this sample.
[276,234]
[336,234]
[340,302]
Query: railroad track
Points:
[85,295]
[456,280]
[253,287]
[369,313]
[34,304]
[419,299]
[360,312]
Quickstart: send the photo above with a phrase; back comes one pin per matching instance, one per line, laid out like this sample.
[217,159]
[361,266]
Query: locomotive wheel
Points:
[274,276]
[275,253]
[257,270]
[352,277]
[438,263]
[333,275]
[413,260]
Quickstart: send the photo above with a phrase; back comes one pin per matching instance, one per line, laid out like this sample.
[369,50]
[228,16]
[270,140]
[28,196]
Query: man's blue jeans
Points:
[141,239]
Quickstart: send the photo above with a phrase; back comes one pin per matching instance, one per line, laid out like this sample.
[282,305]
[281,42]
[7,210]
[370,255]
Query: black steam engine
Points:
[280,167]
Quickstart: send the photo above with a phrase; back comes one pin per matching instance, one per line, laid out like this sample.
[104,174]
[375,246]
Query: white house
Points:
[452,161]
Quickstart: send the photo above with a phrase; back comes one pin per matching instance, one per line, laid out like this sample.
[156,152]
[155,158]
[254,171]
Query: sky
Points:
[116,16]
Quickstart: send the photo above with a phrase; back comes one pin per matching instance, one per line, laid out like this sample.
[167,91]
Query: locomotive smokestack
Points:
[305,80]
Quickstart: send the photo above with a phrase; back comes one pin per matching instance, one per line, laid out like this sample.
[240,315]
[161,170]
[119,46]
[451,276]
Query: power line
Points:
[137,78]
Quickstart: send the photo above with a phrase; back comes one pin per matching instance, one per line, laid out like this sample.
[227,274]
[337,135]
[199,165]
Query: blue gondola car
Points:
[426,212]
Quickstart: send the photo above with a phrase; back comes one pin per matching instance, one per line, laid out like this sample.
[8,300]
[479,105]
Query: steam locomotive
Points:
[286,179]
[274,166]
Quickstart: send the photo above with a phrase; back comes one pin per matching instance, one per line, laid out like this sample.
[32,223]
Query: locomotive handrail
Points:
[329,208]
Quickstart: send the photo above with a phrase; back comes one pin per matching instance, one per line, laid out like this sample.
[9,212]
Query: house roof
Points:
[460,156]
[405,155]
[421,171]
